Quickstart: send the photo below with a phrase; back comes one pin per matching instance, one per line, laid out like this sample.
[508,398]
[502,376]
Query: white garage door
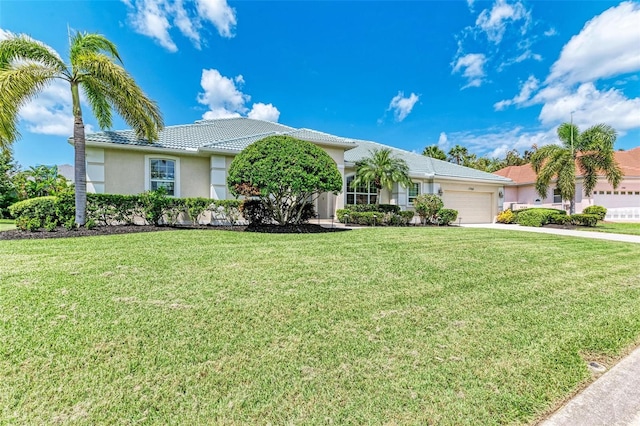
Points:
[473,207]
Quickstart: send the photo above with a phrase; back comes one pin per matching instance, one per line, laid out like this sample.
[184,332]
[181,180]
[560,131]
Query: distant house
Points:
[192,161]
[622,203]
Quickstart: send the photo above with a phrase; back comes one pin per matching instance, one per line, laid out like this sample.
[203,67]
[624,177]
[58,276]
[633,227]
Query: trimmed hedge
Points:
[381,208]
[114,209]
[446,216]
[599,211]
[375,218]
[589,220]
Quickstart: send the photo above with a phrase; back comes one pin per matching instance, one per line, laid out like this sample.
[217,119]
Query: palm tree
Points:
[27,66]
[381,170]
[592,150]
[457,154]
[434,151]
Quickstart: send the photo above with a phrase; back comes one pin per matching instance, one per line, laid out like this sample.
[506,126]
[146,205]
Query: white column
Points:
[95,170]
[218,178]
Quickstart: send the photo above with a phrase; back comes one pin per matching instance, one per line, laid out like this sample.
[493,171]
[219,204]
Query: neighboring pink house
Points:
[623,203]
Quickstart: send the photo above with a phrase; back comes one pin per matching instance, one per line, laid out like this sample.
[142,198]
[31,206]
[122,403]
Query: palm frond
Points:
[122,92]
[540,156]
[594,162]
[95,92]
[93,43]
[600,137]
[550,167]
[566,182]
[567,133]
[23,48]
[19,83]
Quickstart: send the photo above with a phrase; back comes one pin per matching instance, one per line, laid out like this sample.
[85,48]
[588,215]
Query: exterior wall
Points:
[522,196]
[123,171]
[193,177]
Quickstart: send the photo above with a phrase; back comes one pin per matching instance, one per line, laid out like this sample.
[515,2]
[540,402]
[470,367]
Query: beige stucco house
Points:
[192,161]
[622,203]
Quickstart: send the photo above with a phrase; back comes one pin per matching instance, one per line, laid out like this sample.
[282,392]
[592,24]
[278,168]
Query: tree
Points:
[8,170]
[427,206]
[286,174]
[434,151]
[27,66]
[381,169]
[457,154]
[592,150]
[39,181]
[513,158]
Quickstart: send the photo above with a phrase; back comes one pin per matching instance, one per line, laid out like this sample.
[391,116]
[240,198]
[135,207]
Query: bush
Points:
[255,212]
[407,215]
[559,219]
[32,213]
[589,220]
[506,216]
[446,216]
[537,216]
[427,207]
[279,169]
[374,218]
[381,208]
[599,211]
[50,224]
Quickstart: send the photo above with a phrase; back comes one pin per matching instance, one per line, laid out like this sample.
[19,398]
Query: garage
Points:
[473,207]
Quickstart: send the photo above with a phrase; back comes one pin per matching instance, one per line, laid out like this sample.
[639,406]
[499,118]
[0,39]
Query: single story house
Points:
[622,203]
[192,161]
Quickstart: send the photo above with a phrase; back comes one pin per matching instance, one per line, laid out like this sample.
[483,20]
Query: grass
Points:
[6,224]
[411,325]
[616,228]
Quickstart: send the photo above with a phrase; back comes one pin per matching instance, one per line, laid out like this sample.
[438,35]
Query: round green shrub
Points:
[280,170]
[599,211]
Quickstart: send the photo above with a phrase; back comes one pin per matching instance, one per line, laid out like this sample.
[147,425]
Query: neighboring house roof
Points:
[67,170]
[420,165]
[629,162]
[228,134]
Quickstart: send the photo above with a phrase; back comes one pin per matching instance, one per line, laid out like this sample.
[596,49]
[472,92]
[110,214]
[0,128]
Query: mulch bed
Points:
[60,232]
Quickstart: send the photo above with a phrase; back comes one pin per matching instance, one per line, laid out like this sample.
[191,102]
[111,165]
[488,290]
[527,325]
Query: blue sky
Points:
[491,76]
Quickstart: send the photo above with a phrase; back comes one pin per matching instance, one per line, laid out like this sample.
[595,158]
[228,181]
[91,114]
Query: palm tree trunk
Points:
[80,165]
[572,206]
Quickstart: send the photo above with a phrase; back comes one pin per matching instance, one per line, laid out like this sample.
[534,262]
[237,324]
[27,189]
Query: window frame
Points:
[410,198]
[373,193]
[556,193]
[176,172]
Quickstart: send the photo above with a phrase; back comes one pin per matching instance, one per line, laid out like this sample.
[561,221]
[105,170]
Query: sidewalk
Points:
[555,231]
[613,399]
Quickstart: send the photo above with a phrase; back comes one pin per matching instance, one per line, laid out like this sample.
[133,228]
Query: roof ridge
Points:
[242,137]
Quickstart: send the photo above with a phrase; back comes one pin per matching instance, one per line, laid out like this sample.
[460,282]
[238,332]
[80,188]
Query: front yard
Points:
[382,325]
[6,224]
[616,228]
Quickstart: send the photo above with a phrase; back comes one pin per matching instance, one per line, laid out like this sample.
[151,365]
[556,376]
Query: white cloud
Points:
[225,99]
[4,34]
[443,141]
[526,90]
[472,67]
[496,142]
[402,106]
[494,22]
[265,112]
[219,14]
[550,32]
[606,46]
[591,106]
[51,113]
[155,19]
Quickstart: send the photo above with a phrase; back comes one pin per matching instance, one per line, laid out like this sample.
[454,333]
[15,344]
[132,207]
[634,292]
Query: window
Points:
[414,191]
[162,172]
[557,197]
[361,194]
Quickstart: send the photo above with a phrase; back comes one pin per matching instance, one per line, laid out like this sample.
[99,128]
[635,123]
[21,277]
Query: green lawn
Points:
[616,228]
[6,224]
[383,325]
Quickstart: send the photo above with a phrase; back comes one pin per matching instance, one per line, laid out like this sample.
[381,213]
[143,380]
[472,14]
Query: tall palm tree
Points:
[434,151]
[592,150]
[381,169]
[27,66]
[457,154]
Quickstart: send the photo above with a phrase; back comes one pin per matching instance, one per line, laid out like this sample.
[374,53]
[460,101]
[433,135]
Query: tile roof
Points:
[233,134]
[629,162]
[420,165]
